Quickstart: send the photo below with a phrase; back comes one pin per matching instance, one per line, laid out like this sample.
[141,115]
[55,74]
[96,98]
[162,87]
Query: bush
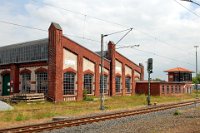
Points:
[20,117]
[177,112]
[86,97]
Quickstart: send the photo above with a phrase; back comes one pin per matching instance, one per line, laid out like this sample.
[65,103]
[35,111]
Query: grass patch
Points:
[38,111]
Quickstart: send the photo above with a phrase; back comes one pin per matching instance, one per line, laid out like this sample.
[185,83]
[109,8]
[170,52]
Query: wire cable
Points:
[163,56]
[187,8]
[24,26]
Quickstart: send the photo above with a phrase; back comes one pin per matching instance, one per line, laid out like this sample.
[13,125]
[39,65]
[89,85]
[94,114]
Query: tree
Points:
[196,80]
[157,79]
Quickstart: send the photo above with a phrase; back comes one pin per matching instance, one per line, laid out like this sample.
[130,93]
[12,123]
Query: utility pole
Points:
[196,71]
[102,76]
[102,64]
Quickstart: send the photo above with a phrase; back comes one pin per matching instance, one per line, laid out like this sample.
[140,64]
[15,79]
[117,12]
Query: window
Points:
[172,87]
[42,82]
[26,86]
[167,89]
[88,79]
[128,84]
[69,83]
[105,84]
[118,84]
[176,90]
[163,89]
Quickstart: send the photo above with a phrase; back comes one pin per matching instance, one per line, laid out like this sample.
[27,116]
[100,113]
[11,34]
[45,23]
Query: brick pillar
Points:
[97,80]
[142,71]
[133,82]
[111,56]
[14,77]
[80,78]
[55,63]
[123,80]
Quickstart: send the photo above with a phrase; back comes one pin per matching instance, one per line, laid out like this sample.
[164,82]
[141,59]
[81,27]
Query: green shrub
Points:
[89,98]
[177,112]
[20,117]
[86,97]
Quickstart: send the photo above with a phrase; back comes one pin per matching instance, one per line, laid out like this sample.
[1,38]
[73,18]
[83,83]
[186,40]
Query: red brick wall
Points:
[82,52]
[142,88]
[157,88]
[55,64]
[14,77]
[114,55]
[111,56]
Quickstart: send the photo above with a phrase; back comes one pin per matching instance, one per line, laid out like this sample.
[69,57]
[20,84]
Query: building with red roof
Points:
[179,74]
[179,82]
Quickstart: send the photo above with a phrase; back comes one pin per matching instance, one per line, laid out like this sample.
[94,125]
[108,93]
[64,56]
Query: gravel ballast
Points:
[163,121]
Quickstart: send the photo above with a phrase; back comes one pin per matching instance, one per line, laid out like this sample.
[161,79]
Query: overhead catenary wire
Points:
[122,25]
[20,25]
[162,56]
[187,9]
[79,13]
[75,12]
[34,28]
[75,35]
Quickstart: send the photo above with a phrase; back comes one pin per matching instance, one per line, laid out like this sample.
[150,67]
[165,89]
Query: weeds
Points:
[177,112]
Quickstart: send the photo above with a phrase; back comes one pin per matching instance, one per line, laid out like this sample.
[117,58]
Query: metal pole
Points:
[196,71]
[102,76]
[148,98]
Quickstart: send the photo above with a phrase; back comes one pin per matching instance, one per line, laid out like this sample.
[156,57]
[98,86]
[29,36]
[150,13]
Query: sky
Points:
[164,29]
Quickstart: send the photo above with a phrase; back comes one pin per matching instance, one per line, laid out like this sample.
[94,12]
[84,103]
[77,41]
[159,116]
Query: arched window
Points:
[26,86]
[42,82]
[105,83]
[88,79]
[128,84]
[69,83]
[118,83]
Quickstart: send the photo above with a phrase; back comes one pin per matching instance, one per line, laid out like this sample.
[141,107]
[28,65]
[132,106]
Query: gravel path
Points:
[164,121]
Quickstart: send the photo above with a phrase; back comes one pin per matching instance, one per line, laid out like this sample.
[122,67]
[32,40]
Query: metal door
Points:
[6,85]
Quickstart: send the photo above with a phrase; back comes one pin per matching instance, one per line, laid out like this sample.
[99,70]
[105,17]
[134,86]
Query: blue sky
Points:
[165,30]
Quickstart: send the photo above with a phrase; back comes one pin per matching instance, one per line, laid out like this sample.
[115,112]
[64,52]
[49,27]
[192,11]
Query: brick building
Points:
[179,82]
[61,69]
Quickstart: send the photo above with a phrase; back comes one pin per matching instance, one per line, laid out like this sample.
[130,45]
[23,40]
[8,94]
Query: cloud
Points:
[162,27]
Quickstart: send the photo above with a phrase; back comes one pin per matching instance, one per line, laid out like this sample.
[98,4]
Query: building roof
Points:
[31,51]
[56,25]
[179,69]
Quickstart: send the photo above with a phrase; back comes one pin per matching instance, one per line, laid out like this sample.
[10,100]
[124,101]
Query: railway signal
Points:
[149,70]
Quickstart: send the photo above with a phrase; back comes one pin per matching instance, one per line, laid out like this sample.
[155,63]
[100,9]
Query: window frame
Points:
[42,82]
[89,84]
[71,84]
[118,84]
[128,85]
[105,83]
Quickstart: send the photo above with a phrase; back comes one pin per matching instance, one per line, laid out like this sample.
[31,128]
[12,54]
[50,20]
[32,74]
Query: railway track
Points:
[87,120]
